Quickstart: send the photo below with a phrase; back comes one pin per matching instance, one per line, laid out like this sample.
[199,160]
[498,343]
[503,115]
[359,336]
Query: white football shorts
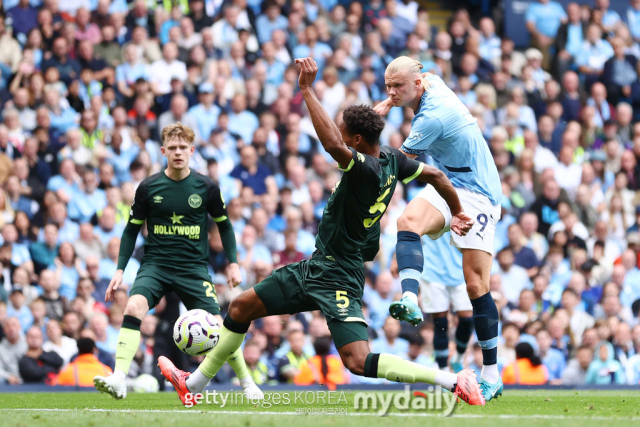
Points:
[484,214]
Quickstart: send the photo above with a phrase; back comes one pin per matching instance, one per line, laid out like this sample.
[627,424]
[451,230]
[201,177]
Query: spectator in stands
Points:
[37,365]
[605,369]
[81,371]
[323,368]
[576,370]
[18,309]
[527,369]
[289,365]
[56,304]
[12,347]
[63,345]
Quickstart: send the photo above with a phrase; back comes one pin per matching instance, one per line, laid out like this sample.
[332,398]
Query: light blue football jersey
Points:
[445,129]
[442,261]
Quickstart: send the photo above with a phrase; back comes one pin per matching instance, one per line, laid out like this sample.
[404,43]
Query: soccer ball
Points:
[196,332]
[146,383]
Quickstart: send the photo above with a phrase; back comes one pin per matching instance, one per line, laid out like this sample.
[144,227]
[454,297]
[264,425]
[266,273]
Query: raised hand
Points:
[308,71]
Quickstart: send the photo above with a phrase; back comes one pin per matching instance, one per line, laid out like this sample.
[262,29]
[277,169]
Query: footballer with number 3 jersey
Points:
[176,204]
[332,281]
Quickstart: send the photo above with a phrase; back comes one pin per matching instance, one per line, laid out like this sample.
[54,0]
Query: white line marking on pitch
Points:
[353,414]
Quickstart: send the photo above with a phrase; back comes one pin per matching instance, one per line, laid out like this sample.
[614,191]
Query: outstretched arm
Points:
[461,223]
[327,131]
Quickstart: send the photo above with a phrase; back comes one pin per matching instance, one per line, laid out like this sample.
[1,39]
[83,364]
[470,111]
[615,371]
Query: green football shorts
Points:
[319,284]
[193,286]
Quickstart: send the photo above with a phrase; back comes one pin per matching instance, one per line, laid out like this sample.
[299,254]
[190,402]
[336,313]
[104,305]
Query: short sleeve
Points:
[215,203]
[360,164]
[561,13]
[408,169]
[139,209]
[530,15]
[424,132]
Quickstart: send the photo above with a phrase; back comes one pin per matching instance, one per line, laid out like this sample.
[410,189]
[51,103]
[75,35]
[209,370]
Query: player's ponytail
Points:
[408,65]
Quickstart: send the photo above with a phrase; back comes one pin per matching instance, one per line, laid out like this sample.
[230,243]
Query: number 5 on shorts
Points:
[342,296]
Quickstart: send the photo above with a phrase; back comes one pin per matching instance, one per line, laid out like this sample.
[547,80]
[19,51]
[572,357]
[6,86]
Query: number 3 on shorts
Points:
[209,291]
[342,296]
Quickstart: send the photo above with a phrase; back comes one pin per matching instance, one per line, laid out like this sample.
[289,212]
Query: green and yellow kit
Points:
[177,245]
[348,235]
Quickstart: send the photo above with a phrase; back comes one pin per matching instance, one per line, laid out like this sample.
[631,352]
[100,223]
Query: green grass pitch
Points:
[514,409]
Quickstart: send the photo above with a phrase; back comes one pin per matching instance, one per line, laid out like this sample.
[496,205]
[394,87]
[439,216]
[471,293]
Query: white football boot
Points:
[251,390]
[115,385]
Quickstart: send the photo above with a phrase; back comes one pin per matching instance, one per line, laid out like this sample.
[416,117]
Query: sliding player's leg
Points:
[420,217]
[146,292]
[280,293]
[197,292]
[351,340]
[476,265]
[245,308]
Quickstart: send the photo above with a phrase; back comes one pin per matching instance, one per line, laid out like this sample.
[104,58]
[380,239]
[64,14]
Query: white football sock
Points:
[490,373]
[446,380]
[197,382]
[411,297]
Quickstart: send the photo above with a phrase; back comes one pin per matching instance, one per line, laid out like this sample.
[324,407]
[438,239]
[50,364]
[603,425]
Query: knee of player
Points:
[354,363]
[408,222]
[235,310]
[137,306]
[475,288]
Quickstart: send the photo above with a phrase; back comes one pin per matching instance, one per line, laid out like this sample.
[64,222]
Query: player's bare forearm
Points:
[328,132]
[443,186]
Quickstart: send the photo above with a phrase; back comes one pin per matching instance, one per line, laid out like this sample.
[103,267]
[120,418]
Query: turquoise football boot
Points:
[456,367]
[489,391]
[406,310]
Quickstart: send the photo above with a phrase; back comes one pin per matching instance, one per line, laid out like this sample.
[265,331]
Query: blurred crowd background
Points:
[86,86]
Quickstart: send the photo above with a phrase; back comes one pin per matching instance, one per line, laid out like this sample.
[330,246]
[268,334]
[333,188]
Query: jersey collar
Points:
[423,98]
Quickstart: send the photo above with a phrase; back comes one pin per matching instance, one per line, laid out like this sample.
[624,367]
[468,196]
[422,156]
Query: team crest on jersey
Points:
[361,157]
[195,201]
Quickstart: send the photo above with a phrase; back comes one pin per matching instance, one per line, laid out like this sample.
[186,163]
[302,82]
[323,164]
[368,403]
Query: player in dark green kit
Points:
[176,204]
[348,235]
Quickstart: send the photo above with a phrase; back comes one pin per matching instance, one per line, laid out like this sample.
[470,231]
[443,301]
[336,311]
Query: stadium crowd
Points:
[86,86]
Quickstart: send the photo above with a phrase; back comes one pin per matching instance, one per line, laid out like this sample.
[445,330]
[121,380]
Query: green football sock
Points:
[227,347]
[397,369]
[236,361]
[128,343]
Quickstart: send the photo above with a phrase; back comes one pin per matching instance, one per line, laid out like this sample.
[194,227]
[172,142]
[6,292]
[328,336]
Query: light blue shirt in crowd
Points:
[207,119]
[594,55]
[264,27]
[574,39]
[633,22]
[244,124]
[444,129]
[547,17]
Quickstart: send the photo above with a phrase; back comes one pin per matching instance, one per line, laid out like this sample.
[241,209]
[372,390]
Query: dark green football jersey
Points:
[177,217]
[349,230]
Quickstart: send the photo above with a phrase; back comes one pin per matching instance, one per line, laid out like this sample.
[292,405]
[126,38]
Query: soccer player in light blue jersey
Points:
[444,129]
[442,286]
